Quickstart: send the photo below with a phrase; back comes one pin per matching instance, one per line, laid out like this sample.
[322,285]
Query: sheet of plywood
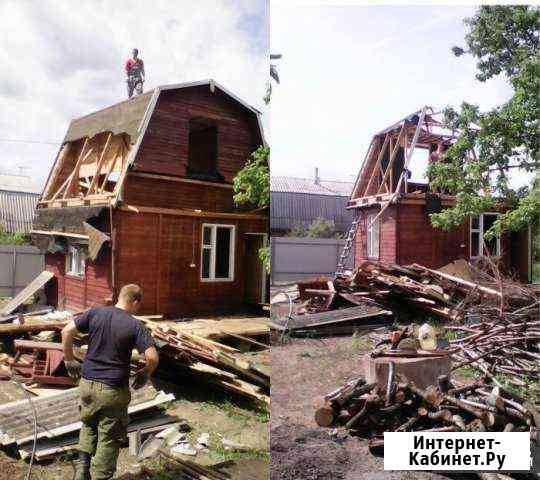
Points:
[36,284]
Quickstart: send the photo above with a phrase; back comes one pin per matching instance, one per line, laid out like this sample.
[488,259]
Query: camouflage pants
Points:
[104,425]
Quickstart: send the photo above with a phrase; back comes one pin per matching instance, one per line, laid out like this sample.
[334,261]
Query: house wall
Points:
[164,149]
[407,236]
[419,242]
[156,251]
[387,234]
[157,192]
[78,293]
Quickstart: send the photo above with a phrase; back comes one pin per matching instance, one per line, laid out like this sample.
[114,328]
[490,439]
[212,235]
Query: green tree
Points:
[318,228]
[11,238]
[504,40]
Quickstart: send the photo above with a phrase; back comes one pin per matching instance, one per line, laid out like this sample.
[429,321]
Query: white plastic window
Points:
[217,252]
[75,261]
[372,236]
[480,224]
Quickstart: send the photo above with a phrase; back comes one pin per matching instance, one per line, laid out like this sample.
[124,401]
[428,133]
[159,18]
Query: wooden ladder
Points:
[349,240]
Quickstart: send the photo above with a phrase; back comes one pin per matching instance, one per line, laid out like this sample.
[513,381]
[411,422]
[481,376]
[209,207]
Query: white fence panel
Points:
[19,265]
[297,258]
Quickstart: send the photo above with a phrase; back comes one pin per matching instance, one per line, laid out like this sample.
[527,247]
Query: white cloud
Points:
[62,61]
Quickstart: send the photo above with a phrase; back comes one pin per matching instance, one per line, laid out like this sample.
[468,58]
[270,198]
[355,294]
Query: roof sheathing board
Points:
[124,117]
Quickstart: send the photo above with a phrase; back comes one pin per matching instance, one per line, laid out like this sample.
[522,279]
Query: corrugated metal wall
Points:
[288,210]
[17,211]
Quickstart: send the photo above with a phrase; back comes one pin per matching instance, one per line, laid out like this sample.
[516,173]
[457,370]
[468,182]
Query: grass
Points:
[361,341]
[226,455]
[237,410]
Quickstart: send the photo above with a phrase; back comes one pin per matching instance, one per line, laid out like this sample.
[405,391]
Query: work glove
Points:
[140,380]
[74,369]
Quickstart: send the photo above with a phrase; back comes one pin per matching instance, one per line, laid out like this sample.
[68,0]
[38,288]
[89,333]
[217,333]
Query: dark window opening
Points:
[223,252]
[203,150]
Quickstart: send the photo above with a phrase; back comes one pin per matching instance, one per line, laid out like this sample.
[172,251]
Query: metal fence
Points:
[19,265]
[295,258]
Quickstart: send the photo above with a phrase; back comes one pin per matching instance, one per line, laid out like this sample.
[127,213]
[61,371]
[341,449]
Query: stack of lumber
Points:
[414,288]
[218,363]
[367,410]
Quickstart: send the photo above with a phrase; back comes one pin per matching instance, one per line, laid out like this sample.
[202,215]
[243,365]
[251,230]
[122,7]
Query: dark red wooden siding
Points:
[76,293]
[164,148]
[156,251]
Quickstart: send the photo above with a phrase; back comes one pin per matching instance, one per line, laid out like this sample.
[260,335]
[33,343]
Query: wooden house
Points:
[141,192]
[392,212]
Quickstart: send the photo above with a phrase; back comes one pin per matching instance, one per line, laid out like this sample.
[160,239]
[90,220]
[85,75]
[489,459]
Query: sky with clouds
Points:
[350,71]
[61,62]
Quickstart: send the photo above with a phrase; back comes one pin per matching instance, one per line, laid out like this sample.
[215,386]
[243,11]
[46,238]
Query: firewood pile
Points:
[416,289]
[367,410]
[509,351]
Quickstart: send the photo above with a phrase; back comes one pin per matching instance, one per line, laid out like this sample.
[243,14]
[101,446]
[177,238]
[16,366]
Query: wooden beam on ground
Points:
[100,164]
[75,173]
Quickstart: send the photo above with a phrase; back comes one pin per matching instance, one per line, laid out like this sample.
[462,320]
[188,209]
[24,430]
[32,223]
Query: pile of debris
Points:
[382,290]
[366,409]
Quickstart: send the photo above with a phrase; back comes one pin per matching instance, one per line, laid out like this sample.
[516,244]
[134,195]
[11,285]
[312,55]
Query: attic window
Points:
[203,150]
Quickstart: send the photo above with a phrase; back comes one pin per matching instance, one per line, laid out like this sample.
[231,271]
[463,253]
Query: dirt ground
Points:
[206,410]
[299,449]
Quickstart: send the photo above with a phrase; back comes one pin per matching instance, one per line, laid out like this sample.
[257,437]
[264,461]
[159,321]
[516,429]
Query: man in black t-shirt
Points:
[113,333]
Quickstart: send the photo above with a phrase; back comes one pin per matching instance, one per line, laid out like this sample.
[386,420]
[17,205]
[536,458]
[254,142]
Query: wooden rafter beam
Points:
[118,153]
[75,173]
[390,166]
[377,164]
[100,164]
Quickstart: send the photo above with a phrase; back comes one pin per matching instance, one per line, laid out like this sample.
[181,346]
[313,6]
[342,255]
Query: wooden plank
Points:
[75,173]
[100,164]
[27,292]
[180,179]
[377,164]
[191,213]
[119,153]
[390,167]
[61,234]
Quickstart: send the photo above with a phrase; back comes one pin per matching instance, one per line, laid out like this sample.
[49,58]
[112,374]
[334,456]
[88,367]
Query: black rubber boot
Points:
[82,466]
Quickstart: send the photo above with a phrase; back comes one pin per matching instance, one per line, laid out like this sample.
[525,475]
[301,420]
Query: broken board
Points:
[39,282]
[350,316]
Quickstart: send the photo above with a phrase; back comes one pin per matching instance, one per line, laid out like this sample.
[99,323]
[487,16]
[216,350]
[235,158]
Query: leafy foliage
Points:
[252,186]
[504,40]
[12,238]
[252,183]
[319,228]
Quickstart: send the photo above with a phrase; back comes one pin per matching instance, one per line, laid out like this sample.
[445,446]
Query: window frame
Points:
[370,229]
[77,255]
[481,232]
[213,249]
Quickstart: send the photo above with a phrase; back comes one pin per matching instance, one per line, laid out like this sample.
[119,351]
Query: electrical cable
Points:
[32,406]
[19,140]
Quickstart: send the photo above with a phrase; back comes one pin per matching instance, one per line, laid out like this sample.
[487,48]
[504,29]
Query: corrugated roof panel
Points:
[308,185]
[17,211]
[18,183]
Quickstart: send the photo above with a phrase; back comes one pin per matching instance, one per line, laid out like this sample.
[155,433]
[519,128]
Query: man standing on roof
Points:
[104,386]
[135,74]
